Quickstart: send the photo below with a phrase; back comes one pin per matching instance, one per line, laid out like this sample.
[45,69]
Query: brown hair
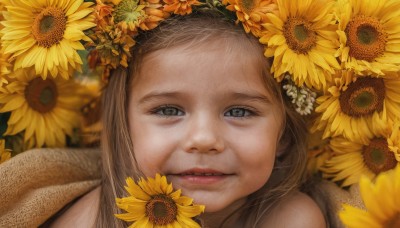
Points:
[117,146]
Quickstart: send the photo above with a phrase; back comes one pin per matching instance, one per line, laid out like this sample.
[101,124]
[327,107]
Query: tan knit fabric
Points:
[337,197]
[34,185]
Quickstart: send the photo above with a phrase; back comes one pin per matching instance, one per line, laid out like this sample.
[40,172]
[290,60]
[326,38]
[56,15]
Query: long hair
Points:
[117,147]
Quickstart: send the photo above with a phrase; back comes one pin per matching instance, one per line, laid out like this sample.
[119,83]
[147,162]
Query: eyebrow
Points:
[237,96]
[158,95]
[252,97]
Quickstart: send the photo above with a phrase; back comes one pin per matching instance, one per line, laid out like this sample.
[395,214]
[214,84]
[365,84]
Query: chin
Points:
[216,205]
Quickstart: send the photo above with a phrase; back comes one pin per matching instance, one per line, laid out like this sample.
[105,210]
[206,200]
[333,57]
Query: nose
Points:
[204,135]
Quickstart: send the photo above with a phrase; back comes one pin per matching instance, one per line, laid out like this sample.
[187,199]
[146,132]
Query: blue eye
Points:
[239,112]
[168,111]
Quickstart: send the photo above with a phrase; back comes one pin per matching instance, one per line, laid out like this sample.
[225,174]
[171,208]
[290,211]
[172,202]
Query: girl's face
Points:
[204,118]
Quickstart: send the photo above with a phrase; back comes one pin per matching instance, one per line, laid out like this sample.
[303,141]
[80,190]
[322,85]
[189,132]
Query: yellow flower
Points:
[355,106]
[4,153]
[46,34]
[153,203]
[1,14]
[46,110]
[181,7]
[318,152]
[369,35]
[302,39]
[352,159]
[4,67]
[252,13]
[381,200]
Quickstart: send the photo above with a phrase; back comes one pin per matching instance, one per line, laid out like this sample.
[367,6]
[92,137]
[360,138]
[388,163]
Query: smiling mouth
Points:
[201,178]
[200,174]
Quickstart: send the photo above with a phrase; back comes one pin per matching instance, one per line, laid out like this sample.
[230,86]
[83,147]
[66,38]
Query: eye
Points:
[239,112]
[168,111]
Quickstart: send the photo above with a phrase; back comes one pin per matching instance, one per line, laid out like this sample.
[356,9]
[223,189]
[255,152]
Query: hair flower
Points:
[46,35]
[153,202]
[369,38]
[302,97]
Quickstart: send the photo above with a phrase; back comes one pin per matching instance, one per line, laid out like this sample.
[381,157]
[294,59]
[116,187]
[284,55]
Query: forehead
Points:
[220,63]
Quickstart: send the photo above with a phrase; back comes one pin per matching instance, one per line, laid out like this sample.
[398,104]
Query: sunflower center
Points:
[129,11]
[378,157]
[393,222]
[161,210]
[366,38]
[363,97]
[49,26]
[41,95]
[299,35]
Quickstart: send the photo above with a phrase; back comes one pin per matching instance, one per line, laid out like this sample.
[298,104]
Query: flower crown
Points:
[343,56]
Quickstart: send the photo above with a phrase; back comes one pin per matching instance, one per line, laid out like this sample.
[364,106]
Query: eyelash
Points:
[162,108]
[248,112]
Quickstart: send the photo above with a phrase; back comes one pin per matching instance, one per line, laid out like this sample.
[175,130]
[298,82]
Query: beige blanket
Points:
[36,184]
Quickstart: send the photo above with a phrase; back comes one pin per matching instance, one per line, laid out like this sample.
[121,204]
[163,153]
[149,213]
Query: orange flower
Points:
[103,13]
[180,7]
[252,13]
[133,14]
[155,14]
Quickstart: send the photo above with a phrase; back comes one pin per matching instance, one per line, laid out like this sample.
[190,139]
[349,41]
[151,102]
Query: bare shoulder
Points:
[297,211]
[83,213]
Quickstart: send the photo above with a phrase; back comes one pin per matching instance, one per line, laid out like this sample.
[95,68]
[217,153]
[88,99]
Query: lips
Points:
[201,177]
[201,172]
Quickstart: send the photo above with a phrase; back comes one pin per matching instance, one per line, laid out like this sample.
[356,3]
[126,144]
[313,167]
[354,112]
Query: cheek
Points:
[151,146]
[258,161]
[256,156]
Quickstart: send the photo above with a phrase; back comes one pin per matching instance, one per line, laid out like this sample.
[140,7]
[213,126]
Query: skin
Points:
[188,112]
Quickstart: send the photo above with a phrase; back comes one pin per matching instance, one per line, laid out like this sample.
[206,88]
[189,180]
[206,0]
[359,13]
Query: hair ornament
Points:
[302,97]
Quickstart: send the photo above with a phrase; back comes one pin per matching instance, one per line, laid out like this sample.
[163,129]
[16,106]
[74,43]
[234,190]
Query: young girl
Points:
[199,105]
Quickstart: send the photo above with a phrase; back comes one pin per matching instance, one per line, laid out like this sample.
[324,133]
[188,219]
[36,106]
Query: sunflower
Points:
[1,14]
[302,40]
[381,200]
[318,152]
[46,110]
[153,203]
[355,106]
[352,159]
[251,13]
[4,153]
[4,67]
[46,34]
[181,7]
[369,35]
